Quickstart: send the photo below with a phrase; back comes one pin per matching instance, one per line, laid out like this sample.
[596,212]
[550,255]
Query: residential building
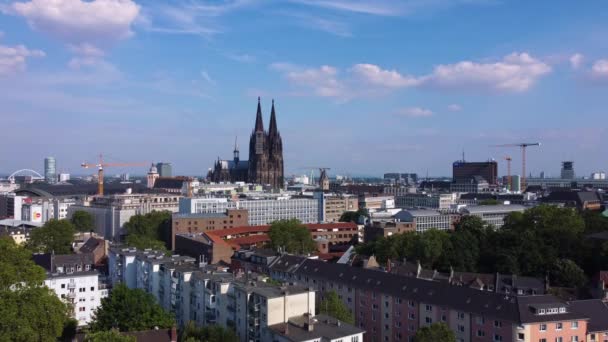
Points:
[581,200]
[390,307]
[111,212]
[10,206]
[492,214]
[597,311]
[203,222]
[20,235]
[74,280]
[206,246]
[477,184]
[379,229]
[424,220]
[320,328]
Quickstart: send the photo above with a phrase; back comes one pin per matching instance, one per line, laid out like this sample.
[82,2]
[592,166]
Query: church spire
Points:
[259,124]
[273,130]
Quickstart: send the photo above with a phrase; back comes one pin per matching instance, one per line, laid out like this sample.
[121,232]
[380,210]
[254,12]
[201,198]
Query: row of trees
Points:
[152,230]
[291,236]
[544,240]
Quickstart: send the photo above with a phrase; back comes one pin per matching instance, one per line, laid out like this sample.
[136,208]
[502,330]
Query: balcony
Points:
[71,285]
[72,295]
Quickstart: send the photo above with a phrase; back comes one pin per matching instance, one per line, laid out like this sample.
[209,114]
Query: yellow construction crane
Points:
[101,165]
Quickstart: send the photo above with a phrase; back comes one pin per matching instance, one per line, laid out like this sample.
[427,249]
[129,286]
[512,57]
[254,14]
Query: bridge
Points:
[25,172]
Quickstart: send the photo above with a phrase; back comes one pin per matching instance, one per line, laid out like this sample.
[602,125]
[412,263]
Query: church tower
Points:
[275,152]
[152,176]
[258,151]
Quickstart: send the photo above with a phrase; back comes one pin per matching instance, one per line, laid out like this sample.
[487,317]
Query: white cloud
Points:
[79,22]
[323,81]
[576,60]
[415,112]
[516,72]
[207,78]
[374,75]
[375,7]
[243,58]
[13,59]
[600,68]
[454,107]
[86,49]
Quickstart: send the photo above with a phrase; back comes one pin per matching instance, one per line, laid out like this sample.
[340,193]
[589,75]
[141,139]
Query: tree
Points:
[291,236]
[29,310]
[212,333]
[332,306]
[130,310]
[151,230]
[112,335]
[353,216]
[566,273]
[436,332]
[83,221]
[55,236]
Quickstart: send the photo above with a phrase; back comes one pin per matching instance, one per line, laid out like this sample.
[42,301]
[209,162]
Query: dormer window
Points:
[541,311]
[562,310]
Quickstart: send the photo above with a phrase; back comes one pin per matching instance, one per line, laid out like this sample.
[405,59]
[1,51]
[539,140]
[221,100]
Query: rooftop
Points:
[320,327]
[498,208]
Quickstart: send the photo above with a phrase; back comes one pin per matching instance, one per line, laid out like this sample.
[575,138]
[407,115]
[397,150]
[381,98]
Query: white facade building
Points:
[492,214]
[81,289]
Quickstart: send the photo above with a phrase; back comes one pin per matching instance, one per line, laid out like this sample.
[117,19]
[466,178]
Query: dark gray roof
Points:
[528,303]
[287,263]
[596,310]
[324,327]
[50,190]
[169,183]
[90,245]
[498,306]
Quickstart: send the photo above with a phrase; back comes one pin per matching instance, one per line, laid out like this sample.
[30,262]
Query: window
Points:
[92,288]
[398,324]
[559,339]
[82,309]
[574,338]
[558,326]
[497,324]
[542,340]
[520,336]
[411,304]
[481,333]
[481,320]
[460,328]
[575,325]
[428,320]
[429,308]
[543,327]
[444,318]
[497,337]
[63,286]
[461,315]
[411,316]
[354,339]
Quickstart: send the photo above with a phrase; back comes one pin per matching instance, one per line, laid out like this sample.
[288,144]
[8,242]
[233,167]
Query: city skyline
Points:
[362,87]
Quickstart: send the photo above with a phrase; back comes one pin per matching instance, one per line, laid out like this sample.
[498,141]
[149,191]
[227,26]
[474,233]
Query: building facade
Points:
[463,171]
[203,222]
[332,206]
[265,164]
[50,171]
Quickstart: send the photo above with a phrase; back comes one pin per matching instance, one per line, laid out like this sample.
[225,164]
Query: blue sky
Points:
[363,87]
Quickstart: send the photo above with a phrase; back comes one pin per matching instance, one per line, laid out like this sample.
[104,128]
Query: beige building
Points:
[203,222]
[332,206]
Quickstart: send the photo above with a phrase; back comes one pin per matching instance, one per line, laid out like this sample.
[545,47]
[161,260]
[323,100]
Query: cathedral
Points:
[265,164]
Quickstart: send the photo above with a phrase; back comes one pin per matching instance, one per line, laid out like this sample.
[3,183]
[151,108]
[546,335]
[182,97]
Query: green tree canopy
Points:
[152,230]
[83,221]
[333,306]
[353,216]
[112,335]
[130,310]
[212,333]
[55,236]
[567,273]
[436,332]
[292,236]
[29,311]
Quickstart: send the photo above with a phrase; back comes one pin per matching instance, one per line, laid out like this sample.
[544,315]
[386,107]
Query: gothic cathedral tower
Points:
[266,152]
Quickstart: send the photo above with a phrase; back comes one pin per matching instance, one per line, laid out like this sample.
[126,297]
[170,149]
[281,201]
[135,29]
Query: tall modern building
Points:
[265,164]
[50,173]
[464,172]
[164,169]
[567,170]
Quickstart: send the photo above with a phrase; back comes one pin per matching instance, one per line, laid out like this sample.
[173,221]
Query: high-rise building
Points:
[50,173]
[265,164]
[567,170]
[64,177]
[464,172]
[164,169]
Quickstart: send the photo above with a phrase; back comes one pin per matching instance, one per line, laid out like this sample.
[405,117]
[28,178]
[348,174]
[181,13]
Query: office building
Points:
[111,212]
[50,172]
[492,214]
[424,220]
[64,177]
[598,175]
[425,200]
[164,169]
[203,222]
[464,172]
[10,206]
[376,203]
[332,206]
[477,185]
[567,171]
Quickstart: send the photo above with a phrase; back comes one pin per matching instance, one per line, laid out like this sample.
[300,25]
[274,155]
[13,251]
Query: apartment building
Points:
[376,203]
[442,201]
[332,206]
[392,308]
[74,280]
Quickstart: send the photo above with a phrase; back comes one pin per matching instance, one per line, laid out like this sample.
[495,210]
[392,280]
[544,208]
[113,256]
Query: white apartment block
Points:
[492,214]
[81,289]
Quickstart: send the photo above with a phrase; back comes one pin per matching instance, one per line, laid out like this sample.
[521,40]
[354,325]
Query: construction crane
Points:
[523,147]
[509,183]
[101,165]
[312,170]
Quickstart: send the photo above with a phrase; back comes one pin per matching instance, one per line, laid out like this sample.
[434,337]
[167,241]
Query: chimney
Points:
[173,334]
[419,269]
[388,265]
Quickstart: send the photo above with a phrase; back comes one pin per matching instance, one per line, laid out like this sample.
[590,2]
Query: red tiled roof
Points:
[249,240]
